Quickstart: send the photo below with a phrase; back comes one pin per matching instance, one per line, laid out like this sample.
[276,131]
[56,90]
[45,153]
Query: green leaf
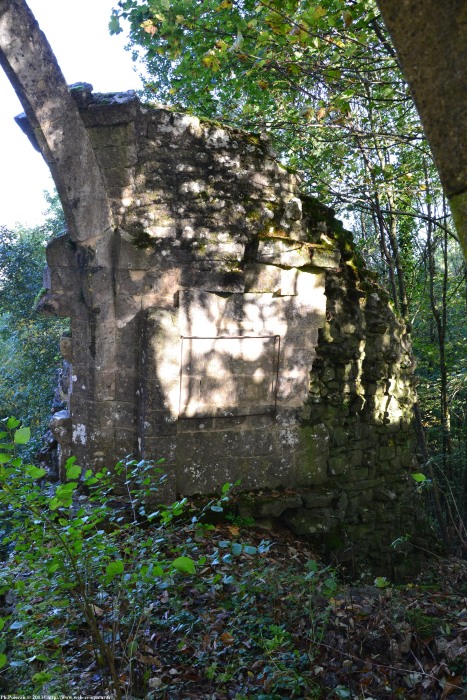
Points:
[17,625]
[4,458]
[115,568]
[41,677]
[2,623]
[381,582]
[185,564]
[73,471]
[3,660]
[22,436]
[12,423]
[114,25]
[66,488]
[55,503]
[35,472]
[249,549]
[132,649]
[419,477]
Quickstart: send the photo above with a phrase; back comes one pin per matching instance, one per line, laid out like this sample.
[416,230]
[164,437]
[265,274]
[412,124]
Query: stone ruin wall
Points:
[229,327]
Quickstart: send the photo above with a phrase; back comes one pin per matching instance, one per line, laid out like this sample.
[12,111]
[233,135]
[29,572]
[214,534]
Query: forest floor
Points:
[262,618]
[278,624]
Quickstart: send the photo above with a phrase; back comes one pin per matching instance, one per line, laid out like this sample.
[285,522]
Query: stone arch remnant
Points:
[217,292]
[228,325]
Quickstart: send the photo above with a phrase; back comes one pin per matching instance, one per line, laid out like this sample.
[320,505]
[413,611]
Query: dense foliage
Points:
[29,343]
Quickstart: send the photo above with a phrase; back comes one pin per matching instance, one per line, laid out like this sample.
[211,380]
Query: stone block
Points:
[262,278]
[118,109]
[66,347]
[321,256]
[126,443]
[293,209]
[213,277]
[126,384]
[157,423]
[311,455]
[162,447]
[282,251]
[229,251]
[305,522]
[339,464]
[245,422]
[121,414]
[60,426]
[117,156]
[194,477]
[275,506]
[104,386]
[319,499]
[192,425]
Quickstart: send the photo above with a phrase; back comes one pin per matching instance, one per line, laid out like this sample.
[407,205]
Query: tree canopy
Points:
[324,78]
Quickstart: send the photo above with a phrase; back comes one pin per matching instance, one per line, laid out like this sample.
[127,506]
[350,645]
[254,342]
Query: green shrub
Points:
[80,556]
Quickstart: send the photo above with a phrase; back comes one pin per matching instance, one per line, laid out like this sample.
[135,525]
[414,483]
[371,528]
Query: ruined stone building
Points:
[228,326]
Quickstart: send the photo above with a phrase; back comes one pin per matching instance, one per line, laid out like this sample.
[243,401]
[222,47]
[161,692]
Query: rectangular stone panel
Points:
[228,376]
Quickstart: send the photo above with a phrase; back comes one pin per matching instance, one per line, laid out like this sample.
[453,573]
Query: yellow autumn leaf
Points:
[211,61]
[149,27]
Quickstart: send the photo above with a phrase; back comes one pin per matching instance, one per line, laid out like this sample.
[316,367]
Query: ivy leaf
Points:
[185,564]
[249,549]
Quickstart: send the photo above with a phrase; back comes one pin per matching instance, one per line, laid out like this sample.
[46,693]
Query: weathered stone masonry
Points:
[197,325]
